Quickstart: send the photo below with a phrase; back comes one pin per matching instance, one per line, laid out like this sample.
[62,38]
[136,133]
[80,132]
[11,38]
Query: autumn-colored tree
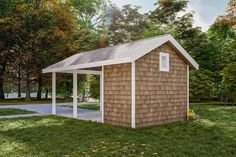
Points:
[8,38]
[47,32]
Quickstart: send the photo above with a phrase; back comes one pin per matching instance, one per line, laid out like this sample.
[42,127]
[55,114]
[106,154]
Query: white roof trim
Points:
[131,58]
[88,65]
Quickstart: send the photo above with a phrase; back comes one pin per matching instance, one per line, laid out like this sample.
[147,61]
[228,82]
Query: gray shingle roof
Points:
[121,53]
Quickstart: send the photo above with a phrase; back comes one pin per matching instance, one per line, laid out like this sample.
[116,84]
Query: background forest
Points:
[37,33]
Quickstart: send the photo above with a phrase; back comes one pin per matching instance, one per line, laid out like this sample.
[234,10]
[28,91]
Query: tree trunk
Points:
[2,70]
[40,84]
[46,94]
[1,88]
[19,82]
[27,96]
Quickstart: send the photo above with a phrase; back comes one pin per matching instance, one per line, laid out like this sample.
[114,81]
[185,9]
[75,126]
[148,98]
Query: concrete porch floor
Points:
[46,109]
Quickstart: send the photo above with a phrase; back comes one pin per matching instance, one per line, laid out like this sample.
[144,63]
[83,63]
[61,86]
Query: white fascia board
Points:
[88,65]
[88,72]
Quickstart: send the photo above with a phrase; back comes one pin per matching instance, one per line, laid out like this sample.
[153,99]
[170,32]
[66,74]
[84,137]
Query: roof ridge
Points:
[123,44]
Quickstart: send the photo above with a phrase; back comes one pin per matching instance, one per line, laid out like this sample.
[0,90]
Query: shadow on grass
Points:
[56,136]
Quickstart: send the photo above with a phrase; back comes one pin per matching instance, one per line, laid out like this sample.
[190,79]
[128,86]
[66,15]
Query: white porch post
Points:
[102,93]
[54,93]
[133,108]
[74,94]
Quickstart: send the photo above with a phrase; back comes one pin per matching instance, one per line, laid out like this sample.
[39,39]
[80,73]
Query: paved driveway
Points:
[61,111]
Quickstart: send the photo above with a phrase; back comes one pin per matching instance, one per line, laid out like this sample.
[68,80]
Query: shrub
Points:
[192,116]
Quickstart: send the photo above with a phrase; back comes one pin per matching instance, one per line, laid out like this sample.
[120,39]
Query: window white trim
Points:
[167,68]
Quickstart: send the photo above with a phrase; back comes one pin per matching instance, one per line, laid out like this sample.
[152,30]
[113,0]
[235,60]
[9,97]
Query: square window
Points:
[164,61]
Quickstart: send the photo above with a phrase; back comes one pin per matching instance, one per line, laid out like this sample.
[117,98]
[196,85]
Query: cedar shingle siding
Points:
[117,94]
[161,97]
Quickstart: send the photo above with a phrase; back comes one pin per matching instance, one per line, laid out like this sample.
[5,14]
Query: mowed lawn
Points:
[54,136]
[12,111]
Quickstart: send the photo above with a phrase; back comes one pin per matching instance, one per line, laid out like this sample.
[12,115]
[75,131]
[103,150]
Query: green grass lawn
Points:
[56,136]
[87,106]
[90,106]
[12,111]
[20,101]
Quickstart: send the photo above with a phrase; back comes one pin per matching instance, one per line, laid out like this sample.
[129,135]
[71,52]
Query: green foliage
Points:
[65,86]
[7,7]
[126,24]
[94,86]
[228,83]
[90,106]
[201,85]
[153,29]
[167,10]
[89,12]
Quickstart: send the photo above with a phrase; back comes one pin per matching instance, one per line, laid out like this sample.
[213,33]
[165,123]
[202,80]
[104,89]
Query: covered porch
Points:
[75,112]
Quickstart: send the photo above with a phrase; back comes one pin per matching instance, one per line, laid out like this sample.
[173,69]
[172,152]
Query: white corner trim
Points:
[102,93]
[187,88]
[161,55]
[54,93]
[133,108]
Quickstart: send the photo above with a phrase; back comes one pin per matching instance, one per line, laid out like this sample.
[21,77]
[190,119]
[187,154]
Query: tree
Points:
[201,85]
[7,39]
[42,37]
[125,24]
[94,86]
[223,36]
[228,83]
[167,10]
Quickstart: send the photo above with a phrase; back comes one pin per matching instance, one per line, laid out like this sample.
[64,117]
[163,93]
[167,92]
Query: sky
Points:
[205,11]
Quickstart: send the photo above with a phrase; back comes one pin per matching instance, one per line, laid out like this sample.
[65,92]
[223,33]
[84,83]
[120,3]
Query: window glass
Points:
[164,61]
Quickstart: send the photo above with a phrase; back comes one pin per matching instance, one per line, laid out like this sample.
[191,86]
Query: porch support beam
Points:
[75,94]
[88,72]
[102,93]
[133,108]
[54,93]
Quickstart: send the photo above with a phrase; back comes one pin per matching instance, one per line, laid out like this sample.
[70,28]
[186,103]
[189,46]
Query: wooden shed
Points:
[143,83]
